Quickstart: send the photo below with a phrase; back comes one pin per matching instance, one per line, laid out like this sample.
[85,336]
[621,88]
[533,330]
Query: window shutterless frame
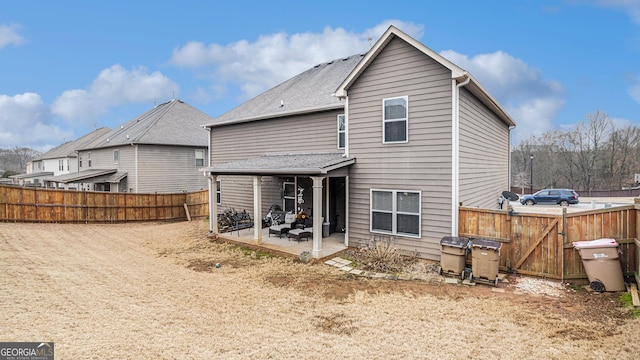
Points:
[342,131]
[395,120]
[116,156]
[218,192]
[199,157]
[396,212]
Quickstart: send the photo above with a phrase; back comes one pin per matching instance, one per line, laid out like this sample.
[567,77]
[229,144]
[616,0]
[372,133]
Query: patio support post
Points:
[257,210]
[213,204]
[317,216]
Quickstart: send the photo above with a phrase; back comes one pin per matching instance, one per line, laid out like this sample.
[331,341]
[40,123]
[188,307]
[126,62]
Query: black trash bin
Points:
[453,256]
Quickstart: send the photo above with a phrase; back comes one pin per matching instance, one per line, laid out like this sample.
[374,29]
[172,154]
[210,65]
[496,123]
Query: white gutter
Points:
[455,152]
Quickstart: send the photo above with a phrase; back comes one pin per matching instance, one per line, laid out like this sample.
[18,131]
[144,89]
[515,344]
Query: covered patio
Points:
[319,168]
[331,245]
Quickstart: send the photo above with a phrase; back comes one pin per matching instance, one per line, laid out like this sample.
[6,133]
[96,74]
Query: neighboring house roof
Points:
[294,164]
[81,175]
[171,123]
[31,175]
[68,149]
[309,91]
[457,73]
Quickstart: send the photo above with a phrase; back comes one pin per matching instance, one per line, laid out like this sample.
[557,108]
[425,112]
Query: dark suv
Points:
[562,197]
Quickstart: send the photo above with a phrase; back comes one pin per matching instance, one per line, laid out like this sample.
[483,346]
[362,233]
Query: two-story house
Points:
[389,143]
[159,151]
[60,160]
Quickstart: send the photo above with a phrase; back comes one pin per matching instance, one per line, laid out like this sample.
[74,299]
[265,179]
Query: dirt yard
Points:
[153,291]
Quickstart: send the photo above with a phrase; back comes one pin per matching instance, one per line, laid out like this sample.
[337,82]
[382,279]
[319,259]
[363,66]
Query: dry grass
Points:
[152,291]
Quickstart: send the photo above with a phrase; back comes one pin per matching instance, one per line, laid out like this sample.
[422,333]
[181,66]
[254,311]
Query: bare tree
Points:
[588,141]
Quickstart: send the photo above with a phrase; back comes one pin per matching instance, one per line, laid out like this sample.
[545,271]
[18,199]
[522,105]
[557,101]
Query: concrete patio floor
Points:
[331,245]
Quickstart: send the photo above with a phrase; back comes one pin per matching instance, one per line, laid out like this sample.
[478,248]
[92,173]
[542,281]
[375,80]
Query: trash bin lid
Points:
[599,243]
[455,241]
[486,243]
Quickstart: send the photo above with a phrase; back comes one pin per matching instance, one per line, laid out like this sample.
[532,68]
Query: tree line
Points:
[14,161]
[594,155]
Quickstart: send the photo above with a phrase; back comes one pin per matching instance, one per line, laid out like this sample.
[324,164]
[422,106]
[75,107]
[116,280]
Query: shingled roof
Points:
[309,91]
[69,148]
[171,123]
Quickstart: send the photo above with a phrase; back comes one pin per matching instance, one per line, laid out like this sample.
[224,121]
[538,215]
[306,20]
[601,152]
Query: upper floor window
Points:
[395,120]
[342,129]
[61,165]
[199,157]
[79,160]
[68,167]
[89,159]
[116,156]
[396,212]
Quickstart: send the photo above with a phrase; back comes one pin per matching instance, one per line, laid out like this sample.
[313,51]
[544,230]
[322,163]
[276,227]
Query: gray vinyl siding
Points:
[484,154]
[309,133]
[161,168]
[169,169]
[423,164]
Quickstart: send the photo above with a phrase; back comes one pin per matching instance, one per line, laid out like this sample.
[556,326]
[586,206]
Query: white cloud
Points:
[634,92]
[9,35]
[113,86]
[534,116]
[271,59]
[23,123]
[631,7]
[531,100]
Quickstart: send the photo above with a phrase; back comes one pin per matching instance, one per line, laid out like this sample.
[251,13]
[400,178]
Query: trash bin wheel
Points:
[495,282]
[597,286]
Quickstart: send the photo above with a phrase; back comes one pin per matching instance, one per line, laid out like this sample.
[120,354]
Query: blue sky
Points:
[67,67]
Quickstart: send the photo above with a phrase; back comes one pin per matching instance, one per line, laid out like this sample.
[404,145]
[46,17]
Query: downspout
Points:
[213,194]
[455,153]
[346,127]
[509,160]
[135,156]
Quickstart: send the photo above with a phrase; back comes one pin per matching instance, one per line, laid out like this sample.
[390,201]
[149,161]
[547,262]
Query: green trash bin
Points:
[602,264]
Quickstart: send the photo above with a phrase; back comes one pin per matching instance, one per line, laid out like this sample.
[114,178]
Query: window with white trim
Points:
[396,212]
[395,120]
[116,156]
[289,196]
[88,159]
[199,157]
[342,131]
[68,168]
[79,160]
[218,192]
[61,165]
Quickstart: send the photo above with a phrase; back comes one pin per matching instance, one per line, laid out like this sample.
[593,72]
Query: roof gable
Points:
[457,73]
[171,123]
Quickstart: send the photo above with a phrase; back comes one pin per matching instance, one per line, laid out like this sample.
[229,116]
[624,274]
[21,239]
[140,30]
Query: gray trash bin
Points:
[602,264]
[453,256]
[325,229]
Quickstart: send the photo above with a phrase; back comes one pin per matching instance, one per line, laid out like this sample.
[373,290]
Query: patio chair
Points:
[300,234]
[285,227]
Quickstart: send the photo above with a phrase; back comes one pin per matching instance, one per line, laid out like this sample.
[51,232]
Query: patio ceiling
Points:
[289,164]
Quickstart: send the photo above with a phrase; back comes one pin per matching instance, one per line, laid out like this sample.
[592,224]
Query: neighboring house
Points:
[405,140]
[60,160]
[159,151]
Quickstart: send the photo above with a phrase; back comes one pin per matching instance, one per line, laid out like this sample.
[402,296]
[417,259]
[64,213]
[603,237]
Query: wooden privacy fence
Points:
[542,245]
[18,204]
